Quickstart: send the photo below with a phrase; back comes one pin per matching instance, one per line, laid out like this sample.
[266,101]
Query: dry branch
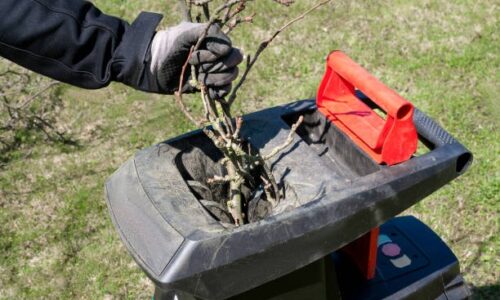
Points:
[29,107]
[200,2]
[263,45]
[285,2]
[287,142]
[186,11]
[224,131]
[178,93]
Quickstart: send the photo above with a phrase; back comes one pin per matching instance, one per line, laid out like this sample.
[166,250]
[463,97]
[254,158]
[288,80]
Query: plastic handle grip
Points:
[387,99]
[389,141]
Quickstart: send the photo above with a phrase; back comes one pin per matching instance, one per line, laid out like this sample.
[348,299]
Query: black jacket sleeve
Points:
[72,41]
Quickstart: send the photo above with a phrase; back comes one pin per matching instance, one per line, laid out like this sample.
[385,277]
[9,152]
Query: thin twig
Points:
[231,14]
[285,2]
[200,2]
[237,21]
[178,93]
[219,179]
[228,118]
[239,123]
[263,45]
[214,19]
[226,15]
[218,143]
[186,11]
[33,97]
[206,11]
[224,132]
[272,181]
[287,142]
[268,187]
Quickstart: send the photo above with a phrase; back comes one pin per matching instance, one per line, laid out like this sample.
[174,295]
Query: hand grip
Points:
[389,141]
[431,131]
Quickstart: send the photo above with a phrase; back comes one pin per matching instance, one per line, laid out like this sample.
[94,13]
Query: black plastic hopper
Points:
[334,194]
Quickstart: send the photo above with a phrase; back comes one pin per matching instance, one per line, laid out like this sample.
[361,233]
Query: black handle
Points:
[431,131]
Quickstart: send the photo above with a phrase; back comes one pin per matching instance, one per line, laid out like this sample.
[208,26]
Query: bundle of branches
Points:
[244,166]
[29,105]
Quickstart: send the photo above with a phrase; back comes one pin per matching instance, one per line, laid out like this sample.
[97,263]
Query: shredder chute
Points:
[336,192]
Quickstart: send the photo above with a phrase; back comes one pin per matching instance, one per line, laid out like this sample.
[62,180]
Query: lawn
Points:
[56,237]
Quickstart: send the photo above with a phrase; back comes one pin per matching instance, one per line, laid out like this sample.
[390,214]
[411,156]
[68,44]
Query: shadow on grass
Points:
[486,292]
[20,150]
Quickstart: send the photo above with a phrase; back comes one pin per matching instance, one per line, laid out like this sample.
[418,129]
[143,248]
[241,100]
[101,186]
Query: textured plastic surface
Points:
[336,194]
[389,141]
[433,271]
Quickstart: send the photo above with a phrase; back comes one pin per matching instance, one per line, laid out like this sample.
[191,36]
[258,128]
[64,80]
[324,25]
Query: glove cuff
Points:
[132,57]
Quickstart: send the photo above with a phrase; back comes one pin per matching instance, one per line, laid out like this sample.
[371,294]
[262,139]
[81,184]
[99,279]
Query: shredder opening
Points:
[200,160]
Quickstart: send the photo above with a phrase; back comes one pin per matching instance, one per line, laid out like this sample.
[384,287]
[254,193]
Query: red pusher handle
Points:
[389,141]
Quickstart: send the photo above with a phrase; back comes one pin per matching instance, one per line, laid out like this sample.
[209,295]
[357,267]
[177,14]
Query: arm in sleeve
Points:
[73,42]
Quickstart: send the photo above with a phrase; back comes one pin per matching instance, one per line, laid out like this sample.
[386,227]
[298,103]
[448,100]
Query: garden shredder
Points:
[353,167]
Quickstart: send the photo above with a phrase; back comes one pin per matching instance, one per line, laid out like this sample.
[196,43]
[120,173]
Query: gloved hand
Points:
[216,61]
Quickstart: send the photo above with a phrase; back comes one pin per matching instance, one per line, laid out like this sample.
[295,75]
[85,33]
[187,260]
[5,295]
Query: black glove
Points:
[216,61]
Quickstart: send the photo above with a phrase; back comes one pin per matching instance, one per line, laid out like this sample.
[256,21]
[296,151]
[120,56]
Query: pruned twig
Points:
[233,23]
[230,13]
[186,10]
[178,93]
[285,2]
[268,188]
[239,123]
[241,165]
[219,179]
[32,97]
[22,119]
[287,142]
[200,2]
[263,45]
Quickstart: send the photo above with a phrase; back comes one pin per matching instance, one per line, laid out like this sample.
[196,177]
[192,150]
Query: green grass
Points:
[57,240]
